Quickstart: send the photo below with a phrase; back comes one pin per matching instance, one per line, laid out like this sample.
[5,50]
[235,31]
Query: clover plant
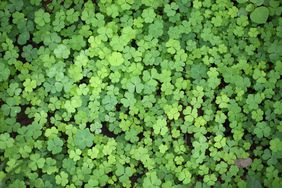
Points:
[140,93]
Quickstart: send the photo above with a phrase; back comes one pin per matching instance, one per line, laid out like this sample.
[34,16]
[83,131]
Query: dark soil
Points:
[107,132]
[22,118]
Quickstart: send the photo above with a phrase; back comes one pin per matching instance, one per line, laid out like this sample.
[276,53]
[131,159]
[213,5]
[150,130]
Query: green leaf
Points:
[257,2]
[185,176]
[62,51]
[160,127]
[163,148]
[41,17]
[4,73]
[198,71]
[93,153]
[260,15]
[29,85]
[55,145]
[5,141]
[151,180]
[75,154]
[148,15]
[253,182]
[109,147]
[220,141]
[129,99]
[262,130]
[76,42]
[84,138]
[62,179]
[275,145]
[50,166]
[116,59]
[23,38]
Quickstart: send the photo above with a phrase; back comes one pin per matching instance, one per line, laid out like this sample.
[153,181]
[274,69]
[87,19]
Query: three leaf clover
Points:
[116,59]
[160,127]
[41,17]
[62,178]
[220,141]
[262,130]
[83,138]
[29,85]
[55,145]
[62,51]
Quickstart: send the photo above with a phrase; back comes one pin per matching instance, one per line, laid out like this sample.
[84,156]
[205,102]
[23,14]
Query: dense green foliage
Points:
[140,93]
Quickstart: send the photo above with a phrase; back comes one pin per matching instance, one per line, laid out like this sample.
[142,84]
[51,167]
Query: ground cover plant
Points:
[140,93]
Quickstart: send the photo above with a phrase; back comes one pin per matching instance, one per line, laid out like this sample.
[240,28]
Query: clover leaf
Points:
[151,180]
[163,148]
[5,73]
[6,141]
[220,141]
[116,59]
[10,108]
[185,176]
[55,145]
[62,178]
[84,138]
[160,127]
[148,15]
[41,17]
[62,51]
[129,99]
[29,85]
[260,15]
[75,154]
[275,145]
[262,130]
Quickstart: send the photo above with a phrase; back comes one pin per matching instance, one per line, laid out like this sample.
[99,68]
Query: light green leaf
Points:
[62,51]
[116,59]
